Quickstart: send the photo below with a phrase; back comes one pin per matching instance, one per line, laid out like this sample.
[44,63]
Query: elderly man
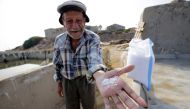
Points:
[78,61]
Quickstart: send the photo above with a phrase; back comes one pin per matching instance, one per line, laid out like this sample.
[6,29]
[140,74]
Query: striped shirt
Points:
[85,60]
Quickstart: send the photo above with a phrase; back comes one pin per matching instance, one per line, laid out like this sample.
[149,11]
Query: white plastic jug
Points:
[141,55]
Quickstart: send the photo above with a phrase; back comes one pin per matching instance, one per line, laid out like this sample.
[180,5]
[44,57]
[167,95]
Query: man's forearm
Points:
[59,82]
[58,72]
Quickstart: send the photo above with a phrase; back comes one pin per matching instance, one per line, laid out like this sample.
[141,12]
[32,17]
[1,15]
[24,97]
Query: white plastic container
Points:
[141,55]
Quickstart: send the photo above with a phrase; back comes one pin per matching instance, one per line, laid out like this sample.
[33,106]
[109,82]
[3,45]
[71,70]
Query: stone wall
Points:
[22,55]
[36,89]
[168,27]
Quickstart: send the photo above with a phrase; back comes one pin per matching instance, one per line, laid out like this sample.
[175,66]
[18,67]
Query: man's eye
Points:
[69,21]
[78,21]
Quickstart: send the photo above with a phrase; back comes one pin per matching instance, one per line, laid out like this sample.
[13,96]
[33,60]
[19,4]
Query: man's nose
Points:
[75,25]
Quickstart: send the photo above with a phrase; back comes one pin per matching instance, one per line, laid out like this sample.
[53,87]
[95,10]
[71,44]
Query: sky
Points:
[22,19]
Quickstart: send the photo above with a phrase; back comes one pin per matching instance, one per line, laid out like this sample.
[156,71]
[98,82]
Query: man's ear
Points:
[61,19]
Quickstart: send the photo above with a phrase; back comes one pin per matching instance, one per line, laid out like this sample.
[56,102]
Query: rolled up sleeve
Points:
[57,61]
[95,59]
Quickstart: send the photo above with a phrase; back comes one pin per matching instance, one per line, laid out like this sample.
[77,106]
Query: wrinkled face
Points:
[74,22]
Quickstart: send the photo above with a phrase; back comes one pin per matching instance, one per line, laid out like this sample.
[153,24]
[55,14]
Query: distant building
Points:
[177,1]
[115,27]
[51,33]
[93,28]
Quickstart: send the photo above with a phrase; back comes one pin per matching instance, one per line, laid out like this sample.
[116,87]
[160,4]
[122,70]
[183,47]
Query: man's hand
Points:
[60,89]
[111,86]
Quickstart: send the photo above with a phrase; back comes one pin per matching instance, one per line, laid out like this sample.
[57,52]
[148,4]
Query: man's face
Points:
[74,23]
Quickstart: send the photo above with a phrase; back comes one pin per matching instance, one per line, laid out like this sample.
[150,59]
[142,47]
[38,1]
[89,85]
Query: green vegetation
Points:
[32,42]
[127,30]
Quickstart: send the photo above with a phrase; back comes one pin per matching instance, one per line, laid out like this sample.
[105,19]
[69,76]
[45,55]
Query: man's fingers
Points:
[127,100]
[126,69]
[118,102]
[134,96]
[107,103]
[60,93]
[119,71]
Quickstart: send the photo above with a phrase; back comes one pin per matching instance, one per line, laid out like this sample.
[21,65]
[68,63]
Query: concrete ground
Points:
[171,82]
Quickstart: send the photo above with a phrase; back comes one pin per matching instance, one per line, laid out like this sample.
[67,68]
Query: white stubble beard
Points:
[73,37]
